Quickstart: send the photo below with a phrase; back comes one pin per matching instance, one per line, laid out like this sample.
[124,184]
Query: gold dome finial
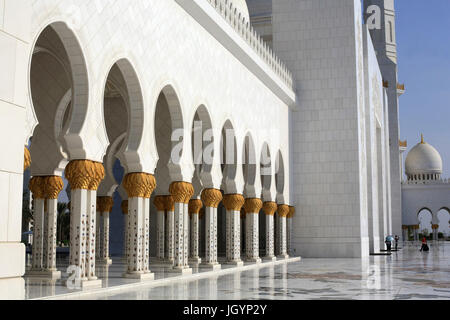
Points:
[421,139]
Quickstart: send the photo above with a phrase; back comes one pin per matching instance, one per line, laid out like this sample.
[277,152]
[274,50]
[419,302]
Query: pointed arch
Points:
[122,82]
[59,94]
[228,151]
[202,143]
[249,162]
[67,50]
[265,163]
[169,137]
[279,173]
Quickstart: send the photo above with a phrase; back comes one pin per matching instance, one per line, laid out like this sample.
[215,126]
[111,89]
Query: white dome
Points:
[242,8]
[423,159]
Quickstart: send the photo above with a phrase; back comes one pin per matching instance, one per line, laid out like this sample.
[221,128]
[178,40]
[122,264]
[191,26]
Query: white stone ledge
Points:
[213,22]
[167,281]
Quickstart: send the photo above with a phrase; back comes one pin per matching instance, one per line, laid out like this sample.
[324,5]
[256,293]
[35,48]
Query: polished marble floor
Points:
[406,274]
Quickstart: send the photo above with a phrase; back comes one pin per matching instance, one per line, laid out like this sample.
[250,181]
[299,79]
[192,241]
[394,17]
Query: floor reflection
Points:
[406,274]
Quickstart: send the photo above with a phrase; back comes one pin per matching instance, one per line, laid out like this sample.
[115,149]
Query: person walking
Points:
[424,244]
[396,241]
[388,244]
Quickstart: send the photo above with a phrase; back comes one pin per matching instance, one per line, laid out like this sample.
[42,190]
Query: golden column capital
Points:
[233,202]
[124,206]
[283,210]
[291,212]
[435,226]
[99,175]
[194,206]
[211,197]
[253,205]
[53,186]
[404,227]
[201,213]
[269,208]
[37,187]
[84,174]
[26,158]
[169,204]
[105,204]
[139,185]
[181,191]
[159,203]
[416,226]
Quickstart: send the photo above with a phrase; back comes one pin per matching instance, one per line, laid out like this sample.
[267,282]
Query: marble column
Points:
[139,187]
[53,186]
[405,232]
[289,218]
[269,209]
[416,232]
[37,188]
[160,225]
[91,224]
[169,208]
[186,232]
[435,228]
[243,237]
[194,208]
[201,233]
[283,211]
[233,204]
[252,207]
[181,193]
[98,238]
[105,239]
[104,206]
[45,191]
[277,234]
[124,207]
[84,177]
[211,199]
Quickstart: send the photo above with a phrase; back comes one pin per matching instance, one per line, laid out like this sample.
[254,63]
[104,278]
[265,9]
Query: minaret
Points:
[384,41]
[383,33]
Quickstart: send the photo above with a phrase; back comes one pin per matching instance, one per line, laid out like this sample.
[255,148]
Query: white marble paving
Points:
[406,274]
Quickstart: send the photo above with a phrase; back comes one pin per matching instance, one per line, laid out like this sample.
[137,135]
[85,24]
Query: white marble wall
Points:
[387,58]
[322,43]
[14,43]
[375,123]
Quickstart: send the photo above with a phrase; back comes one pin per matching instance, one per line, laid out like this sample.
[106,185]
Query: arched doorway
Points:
[425,219]
[59,98]
[202,156]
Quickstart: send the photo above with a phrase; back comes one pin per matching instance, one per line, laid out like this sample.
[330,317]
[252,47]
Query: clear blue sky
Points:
[423,40]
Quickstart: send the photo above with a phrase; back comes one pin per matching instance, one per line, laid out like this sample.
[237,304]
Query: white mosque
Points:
[425,195]
[202,133]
